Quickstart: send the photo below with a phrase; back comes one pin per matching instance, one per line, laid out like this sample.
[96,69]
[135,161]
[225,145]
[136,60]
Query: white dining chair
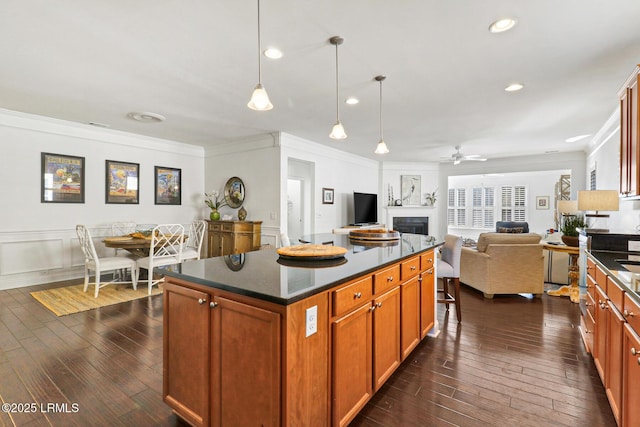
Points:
[193,246]
[100,265]
[118,229]
[166,249]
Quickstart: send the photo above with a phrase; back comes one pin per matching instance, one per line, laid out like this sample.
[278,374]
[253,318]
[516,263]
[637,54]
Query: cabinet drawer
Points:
[591,268]
[352,295]
[215,226]
[631,312]
[591,304]
[426,260]
[615,294]
[409,268]
[591,287]
[601,279]
[386,278]
[227,226]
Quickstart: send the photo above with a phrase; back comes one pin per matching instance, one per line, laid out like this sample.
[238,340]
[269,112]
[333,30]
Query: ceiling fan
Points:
[458,157]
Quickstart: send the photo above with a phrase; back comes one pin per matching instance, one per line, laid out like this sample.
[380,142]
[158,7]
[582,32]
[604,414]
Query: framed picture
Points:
[122,182]
[168,189]
[327,196]
[410,190]
[62,178]
[542,202]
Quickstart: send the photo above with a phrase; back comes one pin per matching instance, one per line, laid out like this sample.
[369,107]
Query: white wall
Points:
[37,240]
[336,169]
[604,156]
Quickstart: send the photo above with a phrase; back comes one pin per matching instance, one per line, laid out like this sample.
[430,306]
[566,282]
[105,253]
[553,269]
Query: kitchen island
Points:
[253,339]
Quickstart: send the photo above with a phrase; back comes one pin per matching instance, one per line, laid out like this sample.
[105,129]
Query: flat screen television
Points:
[365,208]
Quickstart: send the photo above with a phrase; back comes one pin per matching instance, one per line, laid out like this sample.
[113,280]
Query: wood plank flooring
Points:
[514,361]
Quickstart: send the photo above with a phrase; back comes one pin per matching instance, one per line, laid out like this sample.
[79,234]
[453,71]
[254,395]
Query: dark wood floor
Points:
[514,361]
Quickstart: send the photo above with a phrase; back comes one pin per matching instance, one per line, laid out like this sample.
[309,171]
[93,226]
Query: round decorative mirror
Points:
[234,192]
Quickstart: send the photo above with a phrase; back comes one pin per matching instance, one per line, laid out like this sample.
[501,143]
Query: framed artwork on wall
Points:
[542,202]
[62,178]
[168,186]
[122,182]
[410,190]
[327,196]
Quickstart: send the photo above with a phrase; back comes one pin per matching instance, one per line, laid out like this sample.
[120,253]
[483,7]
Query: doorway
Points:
[299,199]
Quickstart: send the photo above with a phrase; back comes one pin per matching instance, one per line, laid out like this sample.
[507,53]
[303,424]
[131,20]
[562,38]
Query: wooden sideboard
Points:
[233,237]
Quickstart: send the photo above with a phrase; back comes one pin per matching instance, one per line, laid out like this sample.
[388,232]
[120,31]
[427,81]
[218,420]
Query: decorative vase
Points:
[570,240]
[214,215]
[242,213]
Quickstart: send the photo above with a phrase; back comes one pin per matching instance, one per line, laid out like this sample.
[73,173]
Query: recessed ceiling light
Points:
[351,100]
[273,53]
[146,117]
[577,138]
[513,87]
[502,25]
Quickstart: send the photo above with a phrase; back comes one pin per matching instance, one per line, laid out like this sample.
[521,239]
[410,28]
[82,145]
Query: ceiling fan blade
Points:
[477,160]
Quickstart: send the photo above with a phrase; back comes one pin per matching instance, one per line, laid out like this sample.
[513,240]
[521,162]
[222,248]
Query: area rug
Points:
[72,299]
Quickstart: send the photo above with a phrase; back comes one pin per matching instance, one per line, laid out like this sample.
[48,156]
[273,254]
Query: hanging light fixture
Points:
[382,147]
[338,130]
[259,99]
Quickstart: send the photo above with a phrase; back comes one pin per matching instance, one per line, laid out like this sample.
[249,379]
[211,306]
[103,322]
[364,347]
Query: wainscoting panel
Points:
[32,255]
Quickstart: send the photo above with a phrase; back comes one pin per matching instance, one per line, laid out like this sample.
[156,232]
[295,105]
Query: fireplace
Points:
[411,224]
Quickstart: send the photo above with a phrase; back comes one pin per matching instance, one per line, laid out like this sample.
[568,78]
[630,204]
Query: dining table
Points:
[138,247]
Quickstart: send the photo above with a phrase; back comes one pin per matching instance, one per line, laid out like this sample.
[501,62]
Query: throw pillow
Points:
[510,229]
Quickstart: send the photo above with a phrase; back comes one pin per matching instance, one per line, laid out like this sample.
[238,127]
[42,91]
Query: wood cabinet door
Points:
[633,150]
[243,242]
[386,336]
[427,302]
[245,380]
[600,336]
[186,352]
[215,244]
[410,316]
[226,243]
[631,378]
[351,364]
[615,336]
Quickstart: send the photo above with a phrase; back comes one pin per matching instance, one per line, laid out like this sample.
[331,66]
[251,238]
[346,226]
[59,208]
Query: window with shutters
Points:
[483,207]
[456,207]
[513,203]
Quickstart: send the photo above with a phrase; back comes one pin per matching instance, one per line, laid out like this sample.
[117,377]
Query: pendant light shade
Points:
[338,130]
[259,99]
[382,146]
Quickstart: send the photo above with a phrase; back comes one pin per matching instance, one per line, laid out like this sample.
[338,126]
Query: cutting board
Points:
[312,252]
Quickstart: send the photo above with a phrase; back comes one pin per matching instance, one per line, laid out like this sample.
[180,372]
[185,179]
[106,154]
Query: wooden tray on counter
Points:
[374,234]
[311,252]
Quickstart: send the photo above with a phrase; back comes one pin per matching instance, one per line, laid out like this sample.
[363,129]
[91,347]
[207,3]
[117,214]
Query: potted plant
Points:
[570,227]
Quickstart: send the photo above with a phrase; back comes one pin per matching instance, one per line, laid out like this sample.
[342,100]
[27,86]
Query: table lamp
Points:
[598,200]
[566,208]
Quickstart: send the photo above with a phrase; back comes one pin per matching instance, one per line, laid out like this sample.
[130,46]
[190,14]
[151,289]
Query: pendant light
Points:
[338,131]
[382,147]
[259,99]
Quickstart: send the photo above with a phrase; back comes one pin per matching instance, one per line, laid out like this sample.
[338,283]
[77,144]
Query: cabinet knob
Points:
[373,307]
[213,304]
[413,268]
[638,360]
[430,260]
[201,301]
[357,295]
[430,271]
[587,304]
[628,313]
[379,304]
[633,351]
[390,279]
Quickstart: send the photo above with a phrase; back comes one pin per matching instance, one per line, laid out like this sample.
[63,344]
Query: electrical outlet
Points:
[312,321]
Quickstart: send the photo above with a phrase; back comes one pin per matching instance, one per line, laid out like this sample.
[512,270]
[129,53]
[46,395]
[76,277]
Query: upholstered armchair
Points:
[504,263]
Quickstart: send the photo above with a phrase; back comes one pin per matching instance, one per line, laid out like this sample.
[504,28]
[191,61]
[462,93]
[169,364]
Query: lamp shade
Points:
[568,207]
[598,200]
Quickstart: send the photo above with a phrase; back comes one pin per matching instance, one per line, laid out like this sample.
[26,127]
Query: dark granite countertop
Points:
[263,275]
[612,262]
